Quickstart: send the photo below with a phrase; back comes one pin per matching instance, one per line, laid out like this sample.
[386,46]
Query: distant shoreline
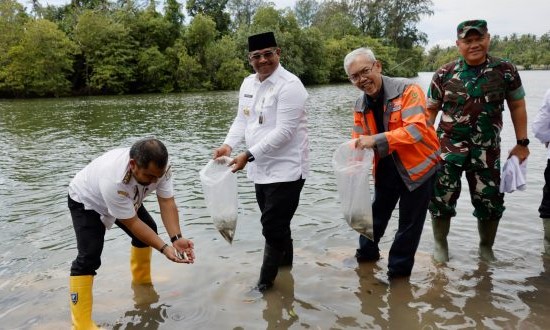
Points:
[533,67]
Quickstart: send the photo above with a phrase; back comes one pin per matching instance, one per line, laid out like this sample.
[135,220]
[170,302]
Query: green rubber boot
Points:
[441,228]
[487,233]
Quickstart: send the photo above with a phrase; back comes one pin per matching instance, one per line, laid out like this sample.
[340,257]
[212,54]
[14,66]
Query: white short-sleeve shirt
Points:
[101,187]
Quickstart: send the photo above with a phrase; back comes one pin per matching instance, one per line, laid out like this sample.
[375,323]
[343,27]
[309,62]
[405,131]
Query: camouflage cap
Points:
[477,24]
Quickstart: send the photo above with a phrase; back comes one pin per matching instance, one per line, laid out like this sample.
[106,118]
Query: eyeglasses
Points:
[267,55]
[361,74]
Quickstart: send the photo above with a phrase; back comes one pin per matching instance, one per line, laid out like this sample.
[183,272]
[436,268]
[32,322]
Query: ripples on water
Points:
[45,142]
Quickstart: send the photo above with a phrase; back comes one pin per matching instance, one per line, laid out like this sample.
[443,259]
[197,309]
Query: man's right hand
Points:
[224,150]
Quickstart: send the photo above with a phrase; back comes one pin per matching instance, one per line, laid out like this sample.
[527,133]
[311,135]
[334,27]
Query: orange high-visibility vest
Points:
[409,136]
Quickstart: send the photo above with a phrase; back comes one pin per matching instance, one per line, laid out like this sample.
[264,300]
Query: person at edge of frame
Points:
[541,130]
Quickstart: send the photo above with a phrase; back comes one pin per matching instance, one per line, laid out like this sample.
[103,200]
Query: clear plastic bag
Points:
[219,186]
[352,168]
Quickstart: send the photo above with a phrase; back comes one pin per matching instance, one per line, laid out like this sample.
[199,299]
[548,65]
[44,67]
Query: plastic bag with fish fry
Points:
[352,168]
[219,186]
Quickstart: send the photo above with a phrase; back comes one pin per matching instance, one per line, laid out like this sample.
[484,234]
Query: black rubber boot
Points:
[270,267]
[440,227]
[487,233]
[288,255]
[546,226]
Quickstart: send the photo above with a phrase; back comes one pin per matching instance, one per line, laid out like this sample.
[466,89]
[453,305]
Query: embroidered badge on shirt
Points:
[395,107]
[123,193]
[246,111]
[414,96]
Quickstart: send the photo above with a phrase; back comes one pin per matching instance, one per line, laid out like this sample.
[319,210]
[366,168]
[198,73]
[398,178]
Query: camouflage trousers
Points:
[484,185]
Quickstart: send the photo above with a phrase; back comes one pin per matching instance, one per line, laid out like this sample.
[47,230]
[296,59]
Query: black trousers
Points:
[544,209]
[413,206]
[278,202]
[90,236]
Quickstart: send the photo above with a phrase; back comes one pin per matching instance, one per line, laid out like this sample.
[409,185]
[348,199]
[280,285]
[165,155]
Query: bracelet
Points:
[175,238]
[163,247]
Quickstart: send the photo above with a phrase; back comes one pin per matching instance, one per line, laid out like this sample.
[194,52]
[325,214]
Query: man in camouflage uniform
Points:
[470,92]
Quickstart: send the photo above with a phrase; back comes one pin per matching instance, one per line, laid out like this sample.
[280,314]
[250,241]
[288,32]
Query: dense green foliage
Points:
[116,47]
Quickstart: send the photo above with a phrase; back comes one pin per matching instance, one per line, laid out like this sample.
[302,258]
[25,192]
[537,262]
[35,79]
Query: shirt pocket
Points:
[455,92]
[395,120]
[493,92]
[268,110]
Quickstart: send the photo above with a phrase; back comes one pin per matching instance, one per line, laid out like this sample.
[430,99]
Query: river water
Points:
[45,142]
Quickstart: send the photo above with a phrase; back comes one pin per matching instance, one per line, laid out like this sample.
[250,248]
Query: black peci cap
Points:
[261,41]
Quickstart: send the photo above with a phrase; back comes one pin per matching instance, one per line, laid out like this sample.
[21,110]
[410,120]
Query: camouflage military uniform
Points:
[472,102]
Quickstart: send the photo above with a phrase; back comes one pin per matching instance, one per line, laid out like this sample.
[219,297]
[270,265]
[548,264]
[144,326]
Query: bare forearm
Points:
[170,216]
[518,114]
[143,232]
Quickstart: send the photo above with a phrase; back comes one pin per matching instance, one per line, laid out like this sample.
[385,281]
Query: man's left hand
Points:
[239,162]
[187,246]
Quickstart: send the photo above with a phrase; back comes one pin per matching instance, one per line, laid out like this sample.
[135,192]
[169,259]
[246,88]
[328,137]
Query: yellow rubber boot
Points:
[140,264]
[81,302]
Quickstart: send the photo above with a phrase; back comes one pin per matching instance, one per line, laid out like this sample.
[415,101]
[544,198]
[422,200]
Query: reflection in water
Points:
[537,296]
[388,304]
[279,309]
[144,315]
[44,143]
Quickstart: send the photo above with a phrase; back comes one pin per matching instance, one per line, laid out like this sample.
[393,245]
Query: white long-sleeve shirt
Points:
[541,124]
[272,119]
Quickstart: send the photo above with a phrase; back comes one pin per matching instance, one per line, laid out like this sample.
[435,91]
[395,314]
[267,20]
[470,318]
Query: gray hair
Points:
[363,51]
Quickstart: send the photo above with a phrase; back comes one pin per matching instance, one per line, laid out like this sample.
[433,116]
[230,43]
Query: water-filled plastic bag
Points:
[352,168]
[219,186]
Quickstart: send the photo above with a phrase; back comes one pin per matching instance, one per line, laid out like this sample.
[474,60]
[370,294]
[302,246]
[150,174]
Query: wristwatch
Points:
[175,238]
[523,142]
[249,156]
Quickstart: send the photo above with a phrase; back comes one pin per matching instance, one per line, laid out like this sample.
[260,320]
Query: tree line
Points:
[526,51]
[91,47]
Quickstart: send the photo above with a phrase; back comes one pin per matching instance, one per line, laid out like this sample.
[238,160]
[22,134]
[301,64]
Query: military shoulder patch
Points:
[127,177]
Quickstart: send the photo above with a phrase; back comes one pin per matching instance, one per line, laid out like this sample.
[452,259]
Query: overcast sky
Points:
[504,17]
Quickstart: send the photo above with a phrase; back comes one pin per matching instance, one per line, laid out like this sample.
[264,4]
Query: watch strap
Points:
[523,142]
[175,238]
[250,157]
